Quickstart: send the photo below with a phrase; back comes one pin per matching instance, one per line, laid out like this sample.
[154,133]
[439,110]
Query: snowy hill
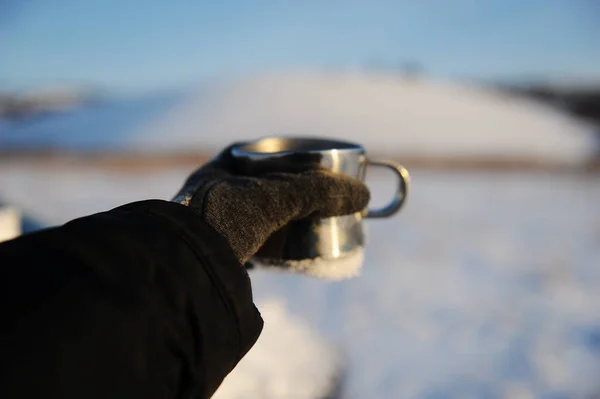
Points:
[43,100]
[391,115]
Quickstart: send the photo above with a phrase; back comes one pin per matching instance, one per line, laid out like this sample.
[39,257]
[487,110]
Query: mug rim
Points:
[328,144]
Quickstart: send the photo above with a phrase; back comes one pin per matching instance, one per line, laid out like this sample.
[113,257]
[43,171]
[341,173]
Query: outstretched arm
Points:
[150,300]
[144,301]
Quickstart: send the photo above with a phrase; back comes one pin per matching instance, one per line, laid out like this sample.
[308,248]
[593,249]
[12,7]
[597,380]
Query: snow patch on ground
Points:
[289,361]
[342,268]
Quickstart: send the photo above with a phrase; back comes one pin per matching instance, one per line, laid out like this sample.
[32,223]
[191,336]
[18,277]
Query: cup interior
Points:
[272,145]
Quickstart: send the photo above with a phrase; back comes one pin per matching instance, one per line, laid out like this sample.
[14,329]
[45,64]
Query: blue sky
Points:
[151,44]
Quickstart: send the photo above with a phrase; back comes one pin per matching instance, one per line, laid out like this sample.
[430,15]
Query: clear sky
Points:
[150,44]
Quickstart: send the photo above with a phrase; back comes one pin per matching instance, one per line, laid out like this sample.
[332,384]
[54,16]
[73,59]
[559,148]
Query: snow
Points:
[290,360]
[105,125]
[389,114]
[485,285]
[342,268]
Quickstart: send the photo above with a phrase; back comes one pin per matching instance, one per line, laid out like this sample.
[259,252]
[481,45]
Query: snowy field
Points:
[487,285]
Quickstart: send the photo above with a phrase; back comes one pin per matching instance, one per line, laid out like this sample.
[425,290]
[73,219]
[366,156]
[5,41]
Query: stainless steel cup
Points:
[329,238]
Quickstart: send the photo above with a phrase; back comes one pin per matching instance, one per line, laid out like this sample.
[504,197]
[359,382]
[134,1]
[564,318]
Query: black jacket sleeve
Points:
[144,301]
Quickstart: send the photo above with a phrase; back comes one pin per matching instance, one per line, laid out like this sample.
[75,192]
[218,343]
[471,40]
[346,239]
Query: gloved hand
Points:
[246,210]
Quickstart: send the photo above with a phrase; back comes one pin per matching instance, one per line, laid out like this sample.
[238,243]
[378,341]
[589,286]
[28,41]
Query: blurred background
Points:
[487,284]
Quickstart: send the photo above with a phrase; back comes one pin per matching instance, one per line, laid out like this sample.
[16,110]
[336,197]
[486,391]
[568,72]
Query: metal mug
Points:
[329,238]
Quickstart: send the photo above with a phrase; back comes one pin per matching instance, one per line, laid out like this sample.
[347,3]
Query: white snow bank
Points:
[289,361]
[390,115]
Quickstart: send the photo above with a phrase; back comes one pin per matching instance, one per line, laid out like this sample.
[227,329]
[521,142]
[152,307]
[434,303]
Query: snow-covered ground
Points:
[390,114]
[487,285]
[289,361]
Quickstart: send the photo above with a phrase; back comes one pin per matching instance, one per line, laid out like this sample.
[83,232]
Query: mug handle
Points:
[401,190]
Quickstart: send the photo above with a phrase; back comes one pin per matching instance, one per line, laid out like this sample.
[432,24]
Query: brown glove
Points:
[246,210]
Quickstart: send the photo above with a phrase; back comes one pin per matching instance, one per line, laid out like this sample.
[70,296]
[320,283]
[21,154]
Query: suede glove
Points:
[247,209]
